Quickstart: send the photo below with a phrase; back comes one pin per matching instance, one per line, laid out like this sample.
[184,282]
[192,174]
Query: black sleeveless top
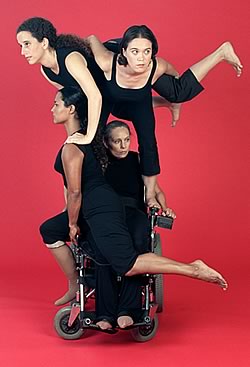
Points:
[92,176]
[124,176]
[119,94]
[64,78]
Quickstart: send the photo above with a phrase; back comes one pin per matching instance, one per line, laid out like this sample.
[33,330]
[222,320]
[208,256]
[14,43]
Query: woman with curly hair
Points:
[65,61]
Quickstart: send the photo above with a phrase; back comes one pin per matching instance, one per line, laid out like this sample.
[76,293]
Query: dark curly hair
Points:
[74,96]
[41,28]
[136,31]
[107,134]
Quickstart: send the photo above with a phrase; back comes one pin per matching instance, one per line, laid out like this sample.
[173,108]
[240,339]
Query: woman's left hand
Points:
[77,138]
[169,213]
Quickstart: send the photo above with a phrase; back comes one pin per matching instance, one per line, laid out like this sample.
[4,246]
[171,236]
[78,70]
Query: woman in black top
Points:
[124,175]
[130,74]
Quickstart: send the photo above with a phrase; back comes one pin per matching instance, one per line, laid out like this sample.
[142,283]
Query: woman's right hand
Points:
[169,213]
[73,232]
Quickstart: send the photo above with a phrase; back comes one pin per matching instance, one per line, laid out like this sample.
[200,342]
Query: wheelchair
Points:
[72,322]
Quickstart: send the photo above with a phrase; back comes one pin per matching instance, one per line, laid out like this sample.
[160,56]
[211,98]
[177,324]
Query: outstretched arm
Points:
[72,159]
[77,67]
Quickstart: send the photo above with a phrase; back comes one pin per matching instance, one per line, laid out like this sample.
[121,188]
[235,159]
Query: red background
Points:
[204,174]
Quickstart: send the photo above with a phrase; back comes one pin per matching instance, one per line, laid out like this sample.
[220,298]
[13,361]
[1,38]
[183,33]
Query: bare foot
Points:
[204,272]
[175,109]
[124,321]
[68,296]
[104,325]
[230,56]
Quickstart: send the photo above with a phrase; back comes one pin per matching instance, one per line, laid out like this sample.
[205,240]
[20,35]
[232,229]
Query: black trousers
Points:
[115,298]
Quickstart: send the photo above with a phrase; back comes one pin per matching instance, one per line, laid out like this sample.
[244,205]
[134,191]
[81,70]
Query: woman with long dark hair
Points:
[130,74]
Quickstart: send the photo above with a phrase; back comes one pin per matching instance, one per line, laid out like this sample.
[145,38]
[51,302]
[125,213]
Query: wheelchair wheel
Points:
[61,325]
[159,277]
[145,333]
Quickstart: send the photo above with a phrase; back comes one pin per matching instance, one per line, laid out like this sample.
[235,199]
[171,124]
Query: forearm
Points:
[94,112]
[160,197]
[74,200]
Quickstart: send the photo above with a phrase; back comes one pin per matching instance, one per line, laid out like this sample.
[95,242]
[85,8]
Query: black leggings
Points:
[142,116]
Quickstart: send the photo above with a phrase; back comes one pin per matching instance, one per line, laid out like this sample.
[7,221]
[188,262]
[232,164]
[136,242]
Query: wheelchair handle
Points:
[153,210]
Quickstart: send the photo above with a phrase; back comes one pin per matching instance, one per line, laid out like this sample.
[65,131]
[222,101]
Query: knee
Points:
[44,231]
[48,236]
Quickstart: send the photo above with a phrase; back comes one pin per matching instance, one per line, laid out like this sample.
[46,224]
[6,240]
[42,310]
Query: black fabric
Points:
[103,211]
[136,105]
[92,176]
[124,175]
[173,89]
[178,90]
[65,79]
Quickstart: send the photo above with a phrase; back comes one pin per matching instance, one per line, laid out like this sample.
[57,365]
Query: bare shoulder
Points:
[71,151]
[161,64]
[75,57]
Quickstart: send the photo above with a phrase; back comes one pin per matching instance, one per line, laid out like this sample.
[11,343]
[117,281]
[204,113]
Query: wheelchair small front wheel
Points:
[63,329]
[146,332]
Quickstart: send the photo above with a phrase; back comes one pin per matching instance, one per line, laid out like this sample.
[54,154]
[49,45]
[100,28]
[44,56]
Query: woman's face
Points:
[32,49]
[119,142]
[60,112]
[138,54]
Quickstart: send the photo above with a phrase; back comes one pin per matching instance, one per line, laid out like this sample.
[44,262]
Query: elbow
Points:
[90,38]
[97,98]
[74,194]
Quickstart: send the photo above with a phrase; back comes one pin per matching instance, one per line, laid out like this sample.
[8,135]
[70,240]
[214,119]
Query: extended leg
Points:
[223,53]
[154,264]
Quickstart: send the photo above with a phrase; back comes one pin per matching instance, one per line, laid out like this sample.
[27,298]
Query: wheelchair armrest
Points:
[164,222]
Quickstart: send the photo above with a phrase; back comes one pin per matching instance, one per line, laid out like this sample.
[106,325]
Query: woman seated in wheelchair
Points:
[91,199]
[124,176]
